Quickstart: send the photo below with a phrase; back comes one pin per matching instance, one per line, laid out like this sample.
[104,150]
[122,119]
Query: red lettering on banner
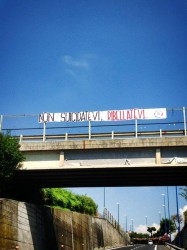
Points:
[134,112]
[122,115]
[109,115]
[141,113]
[129,114]
[138,114]
[115,115]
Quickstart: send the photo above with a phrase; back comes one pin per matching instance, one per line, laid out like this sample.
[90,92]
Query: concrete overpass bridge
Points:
[155,161]
[126,150]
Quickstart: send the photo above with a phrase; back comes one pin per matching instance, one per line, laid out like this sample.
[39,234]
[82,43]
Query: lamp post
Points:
[132,224]
[104,206]
[169,213]
[159,215]
[1,122]
[179,242]
[164,205]
[159,218]
[126,222]
[146,220]
[104,199]
[118,214]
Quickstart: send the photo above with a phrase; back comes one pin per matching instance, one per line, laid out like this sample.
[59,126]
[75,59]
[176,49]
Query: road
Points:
[141,247]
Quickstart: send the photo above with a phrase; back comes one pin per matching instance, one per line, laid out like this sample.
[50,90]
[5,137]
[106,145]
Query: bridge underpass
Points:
[101,163]
[100,160]
[167,175]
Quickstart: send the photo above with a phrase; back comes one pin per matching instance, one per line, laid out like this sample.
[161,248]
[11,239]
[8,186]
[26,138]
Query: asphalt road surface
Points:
[142,247]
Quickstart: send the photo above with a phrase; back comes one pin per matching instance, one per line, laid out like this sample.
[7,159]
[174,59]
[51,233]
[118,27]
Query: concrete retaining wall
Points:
[181,239]
[22,225]
[32,227]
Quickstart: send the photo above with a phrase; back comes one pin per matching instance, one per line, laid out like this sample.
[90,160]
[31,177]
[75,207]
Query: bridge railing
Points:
[27,128]
[112,135]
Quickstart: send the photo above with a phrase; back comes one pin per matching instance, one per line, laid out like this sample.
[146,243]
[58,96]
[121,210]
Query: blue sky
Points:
[68,55]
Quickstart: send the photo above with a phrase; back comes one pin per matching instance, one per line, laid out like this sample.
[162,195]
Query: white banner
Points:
[110,115]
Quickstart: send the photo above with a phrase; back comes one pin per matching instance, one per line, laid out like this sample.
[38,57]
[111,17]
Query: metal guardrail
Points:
[170,246]
[112,135]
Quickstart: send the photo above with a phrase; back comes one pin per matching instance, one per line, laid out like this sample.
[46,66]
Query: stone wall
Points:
[32,227]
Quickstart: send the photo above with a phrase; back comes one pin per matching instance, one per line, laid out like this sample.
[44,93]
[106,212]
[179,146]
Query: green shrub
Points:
[58,197]
[10,156]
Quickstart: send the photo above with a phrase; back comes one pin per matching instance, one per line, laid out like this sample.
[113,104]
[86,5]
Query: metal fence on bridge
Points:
[27,128]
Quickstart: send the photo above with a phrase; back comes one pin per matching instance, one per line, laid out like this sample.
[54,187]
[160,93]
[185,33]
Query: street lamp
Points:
[164,211]
[168,212]
[118,213]
[104,198]
[132,224]
[179,241]
[159,215]
[146,220]
[104,209]
[126,222]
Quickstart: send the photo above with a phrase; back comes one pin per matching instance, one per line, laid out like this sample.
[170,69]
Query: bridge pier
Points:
[158,156]
[61,159]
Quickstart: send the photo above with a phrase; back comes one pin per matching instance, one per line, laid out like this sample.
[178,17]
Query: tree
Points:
[184,193]
[177,219]
[151,229]
[167,226]
[10,157]
[139,235]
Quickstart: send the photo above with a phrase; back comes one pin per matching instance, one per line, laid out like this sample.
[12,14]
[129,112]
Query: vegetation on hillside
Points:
[63,198]
[139,235]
